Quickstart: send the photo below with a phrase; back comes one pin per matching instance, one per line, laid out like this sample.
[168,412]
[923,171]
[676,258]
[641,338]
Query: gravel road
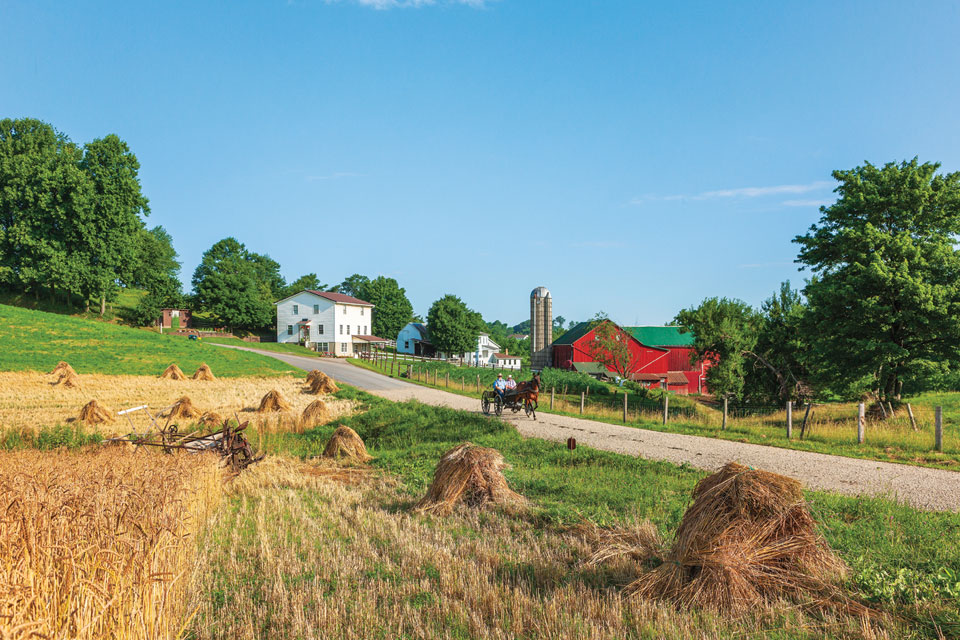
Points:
[931,489]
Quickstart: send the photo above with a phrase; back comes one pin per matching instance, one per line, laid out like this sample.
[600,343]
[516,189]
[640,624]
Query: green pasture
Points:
[35,341]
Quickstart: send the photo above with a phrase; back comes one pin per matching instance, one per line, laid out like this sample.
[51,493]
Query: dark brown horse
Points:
[527,392]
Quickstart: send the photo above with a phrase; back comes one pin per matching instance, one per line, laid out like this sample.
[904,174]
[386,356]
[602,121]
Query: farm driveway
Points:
[932,489]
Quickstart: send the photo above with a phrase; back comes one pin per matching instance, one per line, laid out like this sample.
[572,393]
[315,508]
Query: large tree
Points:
[236,285]
[885,298]
[392,310]
[454,327]
[355,285]
[307,281]
[156,271]
[725,334]
[109,235]
[44,196]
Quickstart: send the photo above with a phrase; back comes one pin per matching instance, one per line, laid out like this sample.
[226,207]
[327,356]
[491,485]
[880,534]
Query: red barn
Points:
[658,354]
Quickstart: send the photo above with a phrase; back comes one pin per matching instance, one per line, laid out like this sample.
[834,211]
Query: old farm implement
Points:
[227,441]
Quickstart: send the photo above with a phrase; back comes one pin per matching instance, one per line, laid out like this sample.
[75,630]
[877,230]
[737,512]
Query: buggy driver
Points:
[500,385]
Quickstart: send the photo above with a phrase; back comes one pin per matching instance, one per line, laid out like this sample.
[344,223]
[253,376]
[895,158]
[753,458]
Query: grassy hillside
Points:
[36,340]
[116,311]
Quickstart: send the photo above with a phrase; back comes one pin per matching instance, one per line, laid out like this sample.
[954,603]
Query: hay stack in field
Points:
[183,408]
[315,413]
[345,443]
[211,419]
[470,475]
[93,413]
[747,540]
[173,372]
[204,373]
[320,382]
[62,368]
[273,401]
[69,379]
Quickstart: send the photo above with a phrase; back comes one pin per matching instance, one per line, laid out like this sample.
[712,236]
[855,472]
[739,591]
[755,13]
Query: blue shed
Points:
[415,339]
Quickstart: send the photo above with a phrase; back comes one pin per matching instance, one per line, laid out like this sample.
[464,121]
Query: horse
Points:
[528,392]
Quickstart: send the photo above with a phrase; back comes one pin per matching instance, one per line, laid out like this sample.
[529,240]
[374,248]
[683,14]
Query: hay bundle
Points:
[320,382]
[69,379]
[62,368]
[173,372]
[747,540]
[273,401]
[470,475]
[345,443]
[183,408]
[315,413]
[204,373]
[211,419]
[93,413]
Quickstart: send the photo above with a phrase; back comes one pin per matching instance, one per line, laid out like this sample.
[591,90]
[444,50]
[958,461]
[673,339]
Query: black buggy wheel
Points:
[485,404]
[498,405]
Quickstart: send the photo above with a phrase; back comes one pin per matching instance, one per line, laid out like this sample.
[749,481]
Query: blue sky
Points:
[632,157]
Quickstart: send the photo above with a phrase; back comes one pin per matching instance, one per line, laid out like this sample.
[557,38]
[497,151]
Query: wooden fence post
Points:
[551,398]
[666,406]
[938,429]
[624,407]
[582,396]
[913,421]
[861,412]
[446,382]
[789,419]
[725,401]
[478,383]
[803,427]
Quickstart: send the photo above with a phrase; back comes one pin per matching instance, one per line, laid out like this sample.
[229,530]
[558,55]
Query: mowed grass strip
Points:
[903,560]
[277,347]
[36,341]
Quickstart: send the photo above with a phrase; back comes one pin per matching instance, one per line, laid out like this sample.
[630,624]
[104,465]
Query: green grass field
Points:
[36,340]
[899,556]
[279,347]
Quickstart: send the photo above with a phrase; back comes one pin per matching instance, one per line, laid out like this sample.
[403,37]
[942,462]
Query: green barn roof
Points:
[661,336]
[574,334]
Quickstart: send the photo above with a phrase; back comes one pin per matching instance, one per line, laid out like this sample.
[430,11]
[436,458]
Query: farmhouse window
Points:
[406,344]
[348,329]
[361,310]
[358,330]
[343,347]
[364,329]
[344,308]
[341,329]
[320,329]
[296,309]
[316,309]
[289,329]
[323,347]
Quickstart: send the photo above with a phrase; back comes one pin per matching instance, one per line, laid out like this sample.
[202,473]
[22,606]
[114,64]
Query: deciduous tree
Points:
[610,346]
[454,327]
[885,297]
[235,286]
[392,310]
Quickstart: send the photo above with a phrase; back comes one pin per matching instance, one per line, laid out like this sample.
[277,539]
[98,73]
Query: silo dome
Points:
[539,292]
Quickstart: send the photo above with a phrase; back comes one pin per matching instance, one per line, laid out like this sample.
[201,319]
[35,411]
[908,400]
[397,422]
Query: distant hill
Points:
[37,340]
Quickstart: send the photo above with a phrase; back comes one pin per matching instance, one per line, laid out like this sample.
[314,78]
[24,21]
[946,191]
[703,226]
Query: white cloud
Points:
[743,192]
[338,175]
[806,203]
[382,5]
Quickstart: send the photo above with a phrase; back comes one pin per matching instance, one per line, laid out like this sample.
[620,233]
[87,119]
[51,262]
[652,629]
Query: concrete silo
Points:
[541,327]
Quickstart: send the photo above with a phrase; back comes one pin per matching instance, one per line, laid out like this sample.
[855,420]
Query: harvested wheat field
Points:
[346,444]
[29,401]
[470,475]
[100,544]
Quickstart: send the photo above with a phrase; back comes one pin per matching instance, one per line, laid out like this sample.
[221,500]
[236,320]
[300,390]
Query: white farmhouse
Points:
[331,323]
[506,361]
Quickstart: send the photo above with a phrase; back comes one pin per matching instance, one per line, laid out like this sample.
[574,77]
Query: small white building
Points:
[331,323]
[506,361]
[486,351]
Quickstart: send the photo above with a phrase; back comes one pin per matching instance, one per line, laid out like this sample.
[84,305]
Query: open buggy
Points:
[524,396]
